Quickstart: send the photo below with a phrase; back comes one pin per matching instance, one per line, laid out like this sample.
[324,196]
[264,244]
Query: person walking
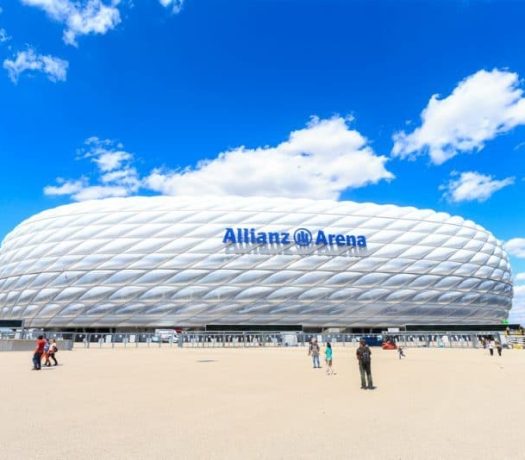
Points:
[38,352]
[329,355]
[401,352]
[491,346]
[499,347]
[364,358]
[45,356]
[53,348]
[314,351]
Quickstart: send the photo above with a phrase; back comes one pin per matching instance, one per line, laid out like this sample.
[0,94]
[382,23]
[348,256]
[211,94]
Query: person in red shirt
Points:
[39,351]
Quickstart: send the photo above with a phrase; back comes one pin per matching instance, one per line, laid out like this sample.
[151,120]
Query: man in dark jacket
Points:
[364,358]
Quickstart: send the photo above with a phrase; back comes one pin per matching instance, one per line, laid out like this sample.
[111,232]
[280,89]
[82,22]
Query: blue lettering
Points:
[273,237]
[340,240]
[229,236]
[351,240]
[321,238]
[251,236]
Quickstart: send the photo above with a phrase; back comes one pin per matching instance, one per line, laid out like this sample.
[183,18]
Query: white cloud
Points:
[97,192]
[473,186]
[4,37]
[319,161]
[111,160]
[81,17]
[517,313]
[516,247]
[28,61]
[127,176]
[80,190]
[480,107]
[115,176]
[175,5]
[520,277]
[65,187]
[103,153]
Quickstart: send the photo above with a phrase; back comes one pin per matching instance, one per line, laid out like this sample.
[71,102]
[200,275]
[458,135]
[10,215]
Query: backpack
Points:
[365,355]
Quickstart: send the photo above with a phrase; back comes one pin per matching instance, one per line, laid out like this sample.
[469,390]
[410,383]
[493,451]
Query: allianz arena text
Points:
[147,262]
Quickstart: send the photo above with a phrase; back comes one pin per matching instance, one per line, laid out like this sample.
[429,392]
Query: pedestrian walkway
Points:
[261,403]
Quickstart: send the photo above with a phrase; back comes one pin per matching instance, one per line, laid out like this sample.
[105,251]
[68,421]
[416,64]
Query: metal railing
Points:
[464,339]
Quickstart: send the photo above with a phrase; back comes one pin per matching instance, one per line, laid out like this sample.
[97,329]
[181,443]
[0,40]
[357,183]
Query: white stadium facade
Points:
[146,262]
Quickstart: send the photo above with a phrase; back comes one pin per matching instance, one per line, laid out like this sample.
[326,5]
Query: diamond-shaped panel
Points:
[147,261]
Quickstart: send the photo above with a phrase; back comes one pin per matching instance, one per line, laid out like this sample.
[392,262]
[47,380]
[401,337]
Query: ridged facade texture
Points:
[161,261]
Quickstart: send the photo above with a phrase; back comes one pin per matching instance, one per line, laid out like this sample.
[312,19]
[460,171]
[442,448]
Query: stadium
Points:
[147,262]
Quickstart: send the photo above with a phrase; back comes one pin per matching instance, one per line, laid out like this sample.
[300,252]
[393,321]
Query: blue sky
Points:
[408,102]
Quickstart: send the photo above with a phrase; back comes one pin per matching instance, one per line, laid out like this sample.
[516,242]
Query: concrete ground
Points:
[262,404]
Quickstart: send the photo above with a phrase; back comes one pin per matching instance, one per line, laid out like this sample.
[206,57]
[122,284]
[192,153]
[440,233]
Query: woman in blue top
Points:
[328,353]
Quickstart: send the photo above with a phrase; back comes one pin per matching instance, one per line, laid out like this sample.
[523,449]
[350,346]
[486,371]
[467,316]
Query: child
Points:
[329,357]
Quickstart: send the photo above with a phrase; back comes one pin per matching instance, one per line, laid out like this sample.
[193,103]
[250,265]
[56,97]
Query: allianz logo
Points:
[301,237]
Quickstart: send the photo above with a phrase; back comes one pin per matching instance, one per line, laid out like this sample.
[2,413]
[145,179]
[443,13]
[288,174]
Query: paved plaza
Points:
[262,404]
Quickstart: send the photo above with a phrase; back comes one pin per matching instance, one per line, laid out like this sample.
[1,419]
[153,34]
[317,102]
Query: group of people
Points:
[492,344]
[315,350]
[44,350]
[363,355]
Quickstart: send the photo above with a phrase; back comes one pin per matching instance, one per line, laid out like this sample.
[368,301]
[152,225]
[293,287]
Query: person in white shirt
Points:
[492,344]
[52,352]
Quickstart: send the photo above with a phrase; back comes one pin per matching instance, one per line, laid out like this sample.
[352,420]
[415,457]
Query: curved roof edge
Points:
[156,203]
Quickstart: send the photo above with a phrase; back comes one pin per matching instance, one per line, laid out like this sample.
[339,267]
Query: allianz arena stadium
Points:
[146,262]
